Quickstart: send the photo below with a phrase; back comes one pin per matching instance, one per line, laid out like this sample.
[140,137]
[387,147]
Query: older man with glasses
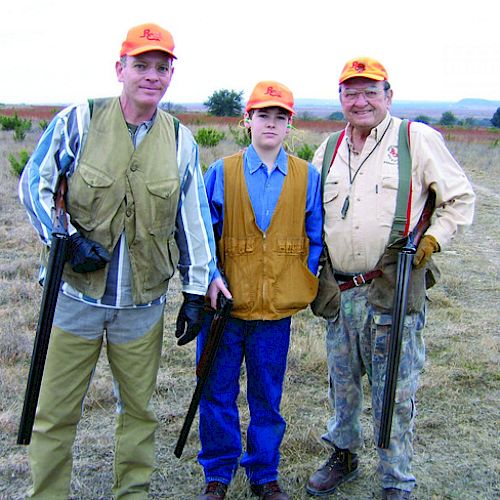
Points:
[364,215]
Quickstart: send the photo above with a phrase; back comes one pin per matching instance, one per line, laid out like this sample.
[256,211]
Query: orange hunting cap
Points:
[365,67]
[269,93]
[145,38]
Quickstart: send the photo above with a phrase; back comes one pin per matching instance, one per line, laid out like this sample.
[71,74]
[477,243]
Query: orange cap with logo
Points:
[145,38]
[364,67]
[268,94]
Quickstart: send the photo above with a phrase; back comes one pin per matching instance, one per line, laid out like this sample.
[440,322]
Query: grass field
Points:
[457,432]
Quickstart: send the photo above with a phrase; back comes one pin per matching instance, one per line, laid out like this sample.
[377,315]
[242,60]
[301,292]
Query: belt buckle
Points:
[361,279]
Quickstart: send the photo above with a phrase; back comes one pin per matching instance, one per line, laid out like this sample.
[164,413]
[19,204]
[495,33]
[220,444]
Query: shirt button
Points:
[128,212]
[133,167]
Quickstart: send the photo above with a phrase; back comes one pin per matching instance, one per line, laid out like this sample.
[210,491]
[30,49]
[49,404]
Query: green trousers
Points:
[70,363]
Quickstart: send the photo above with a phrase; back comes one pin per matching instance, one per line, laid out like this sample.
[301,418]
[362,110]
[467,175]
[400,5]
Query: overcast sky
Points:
[58,51]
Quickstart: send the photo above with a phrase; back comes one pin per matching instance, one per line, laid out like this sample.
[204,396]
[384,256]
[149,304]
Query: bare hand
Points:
[215,287]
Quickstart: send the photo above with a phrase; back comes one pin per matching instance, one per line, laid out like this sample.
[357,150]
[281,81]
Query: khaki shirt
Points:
[356,242]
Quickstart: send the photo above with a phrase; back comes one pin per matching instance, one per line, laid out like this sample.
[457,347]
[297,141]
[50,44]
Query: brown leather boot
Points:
[269,491]
[214,491]
[342,466]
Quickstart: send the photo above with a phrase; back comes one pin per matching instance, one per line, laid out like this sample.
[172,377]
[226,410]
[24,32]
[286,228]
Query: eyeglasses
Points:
[370,93]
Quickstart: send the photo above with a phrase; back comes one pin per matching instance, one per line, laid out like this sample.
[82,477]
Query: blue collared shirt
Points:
[264,189]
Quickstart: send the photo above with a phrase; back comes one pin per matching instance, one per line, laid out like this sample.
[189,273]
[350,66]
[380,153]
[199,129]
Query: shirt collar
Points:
[254,162]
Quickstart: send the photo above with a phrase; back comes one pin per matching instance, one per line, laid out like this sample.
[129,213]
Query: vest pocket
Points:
[295,287]
[163,200]
[163,260]
[86,194]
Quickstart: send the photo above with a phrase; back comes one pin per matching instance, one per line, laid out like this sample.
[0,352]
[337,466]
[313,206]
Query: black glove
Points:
[86,255]
[190,318]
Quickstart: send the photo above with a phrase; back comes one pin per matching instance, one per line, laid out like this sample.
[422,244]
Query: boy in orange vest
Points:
[267,217]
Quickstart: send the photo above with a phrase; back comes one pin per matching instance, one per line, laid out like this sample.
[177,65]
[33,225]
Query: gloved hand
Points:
[86,255]
[190,318]
[427,246]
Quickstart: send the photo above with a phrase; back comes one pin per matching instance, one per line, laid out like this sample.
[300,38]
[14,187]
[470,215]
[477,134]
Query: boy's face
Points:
[269,127]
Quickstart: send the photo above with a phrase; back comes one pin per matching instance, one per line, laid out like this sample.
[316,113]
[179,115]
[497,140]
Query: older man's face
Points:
[364,102]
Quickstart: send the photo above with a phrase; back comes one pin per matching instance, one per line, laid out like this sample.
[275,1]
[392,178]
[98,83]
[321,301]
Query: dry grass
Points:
[456,446]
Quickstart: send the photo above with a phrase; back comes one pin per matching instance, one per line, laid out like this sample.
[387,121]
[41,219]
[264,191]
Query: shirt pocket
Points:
[331,200]
[387,195]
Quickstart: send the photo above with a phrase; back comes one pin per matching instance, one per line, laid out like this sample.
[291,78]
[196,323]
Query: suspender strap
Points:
[400,225]
[332,147]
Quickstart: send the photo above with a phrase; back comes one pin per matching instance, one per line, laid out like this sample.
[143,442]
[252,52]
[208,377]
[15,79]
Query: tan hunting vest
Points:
[267,272]
[115,188]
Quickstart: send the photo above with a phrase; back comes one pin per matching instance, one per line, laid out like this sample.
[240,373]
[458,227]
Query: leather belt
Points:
[350,281]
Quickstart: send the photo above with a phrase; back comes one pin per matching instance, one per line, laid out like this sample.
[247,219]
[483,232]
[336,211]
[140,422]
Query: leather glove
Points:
[427,246]
[86,255]
[190,318]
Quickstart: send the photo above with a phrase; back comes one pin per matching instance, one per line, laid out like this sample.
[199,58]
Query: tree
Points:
[448,119]
[495,121]
[336,116]
[423,119]
[225,103]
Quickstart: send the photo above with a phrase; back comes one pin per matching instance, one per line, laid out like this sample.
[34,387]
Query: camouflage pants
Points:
[356,344]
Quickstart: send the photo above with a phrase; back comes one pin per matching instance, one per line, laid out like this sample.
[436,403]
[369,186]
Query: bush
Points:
[306,152]
[43,124]
[17,164]
[209,137]
[240,136]
[14,122]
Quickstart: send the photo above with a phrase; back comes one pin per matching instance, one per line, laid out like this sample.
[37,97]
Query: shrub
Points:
[306,152]
[240,136]
[43,124]
[17,164]
[209,137]
[14,122]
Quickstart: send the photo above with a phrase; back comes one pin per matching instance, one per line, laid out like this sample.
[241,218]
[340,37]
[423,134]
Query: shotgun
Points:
[404,267]
[52,282]
[204,366]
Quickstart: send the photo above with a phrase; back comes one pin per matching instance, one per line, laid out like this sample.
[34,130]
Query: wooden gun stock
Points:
[204,366]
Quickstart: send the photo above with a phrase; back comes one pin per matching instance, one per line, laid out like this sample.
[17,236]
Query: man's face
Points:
[364,102]
[269,127]
[145,77]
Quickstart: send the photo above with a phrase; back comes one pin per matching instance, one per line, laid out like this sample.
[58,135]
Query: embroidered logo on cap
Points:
[151,35]
[359,67]
[273,92]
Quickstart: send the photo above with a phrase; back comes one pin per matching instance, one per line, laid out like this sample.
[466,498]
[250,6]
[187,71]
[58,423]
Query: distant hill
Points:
[479,109]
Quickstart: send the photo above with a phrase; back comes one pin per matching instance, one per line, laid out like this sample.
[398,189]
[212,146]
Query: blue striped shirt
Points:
[59,150]
[264,189]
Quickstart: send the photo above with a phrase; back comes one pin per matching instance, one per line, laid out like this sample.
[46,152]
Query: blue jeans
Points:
[264,346]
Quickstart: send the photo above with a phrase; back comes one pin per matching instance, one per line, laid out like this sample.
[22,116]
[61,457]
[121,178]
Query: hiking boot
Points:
[342,466]
[269,491]
[214,491]
[395,494]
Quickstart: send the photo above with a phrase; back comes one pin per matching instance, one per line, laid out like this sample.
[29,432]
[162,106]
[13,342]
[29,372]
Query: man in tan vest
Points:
[266,212]
[137,211]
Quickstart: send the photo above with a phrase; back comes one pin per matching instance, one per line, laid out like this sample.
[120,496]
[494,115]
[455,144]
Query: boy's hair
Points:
[251,111]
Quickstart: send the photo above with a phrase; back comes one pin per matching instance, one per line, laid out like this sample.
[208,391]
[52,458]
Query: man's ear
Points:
[119,70]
